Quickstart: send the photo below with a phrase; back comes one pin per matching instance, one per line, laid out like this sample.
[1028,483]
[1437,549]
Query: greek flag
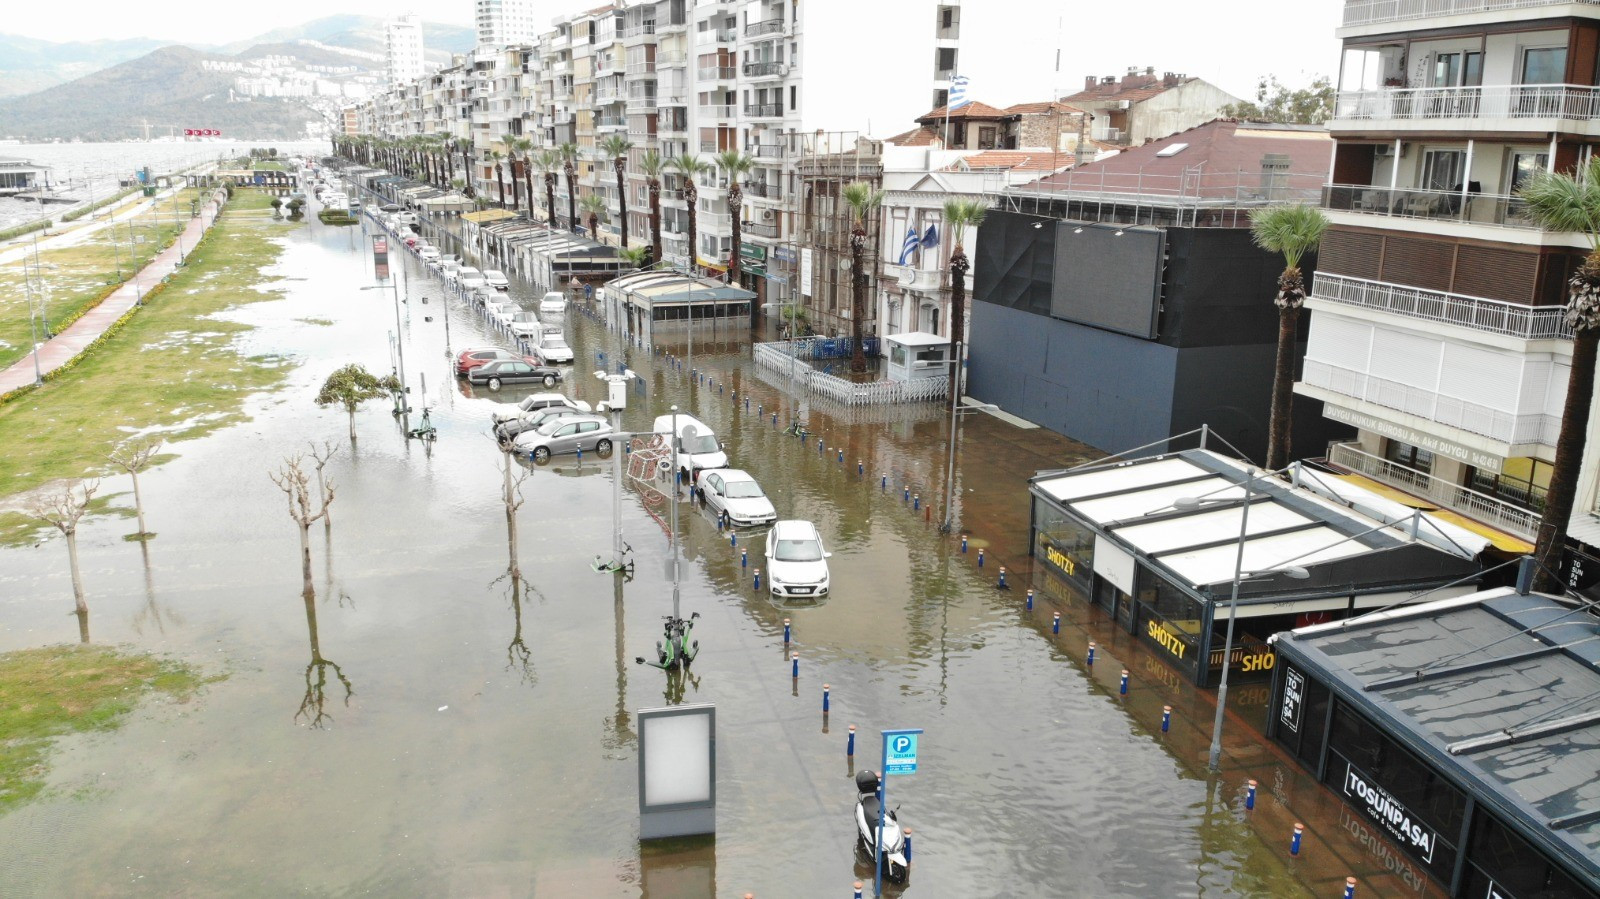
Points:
[910,246]
[958,91]
[931,239]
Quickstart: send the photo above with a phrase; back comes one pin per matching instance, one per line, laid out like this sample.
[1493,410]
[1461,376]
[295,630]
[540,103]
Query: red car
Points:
[469,359]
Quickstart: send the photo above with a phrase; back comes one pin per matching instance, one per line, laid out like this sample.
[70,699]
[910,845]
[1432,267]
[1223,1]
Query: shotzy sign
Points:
[1383,808]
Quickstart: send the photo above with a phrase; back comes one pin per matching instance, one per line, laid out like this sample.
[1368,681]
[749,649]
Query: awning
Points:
[1499,539]
[488,215]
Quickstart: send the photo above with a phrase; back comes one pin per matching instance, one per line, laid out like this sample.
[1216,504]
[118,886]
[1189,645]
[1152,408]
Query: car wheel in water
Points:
[549,380]
[603,448]
[541,455]
[494,383]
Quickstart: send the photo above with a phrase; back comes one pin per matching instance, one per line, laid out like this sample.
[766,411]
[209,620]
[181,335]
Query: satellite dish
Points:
[689,432]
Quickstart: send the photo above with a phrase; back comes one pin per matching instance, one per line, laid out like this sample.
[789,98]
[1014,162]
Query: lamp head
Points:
[600,375]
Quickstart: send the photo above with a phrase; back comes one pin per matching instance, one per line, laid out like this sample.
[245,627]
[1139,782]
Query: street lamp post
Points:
[1239,574]
[673,439]
[950,464]
[616,399]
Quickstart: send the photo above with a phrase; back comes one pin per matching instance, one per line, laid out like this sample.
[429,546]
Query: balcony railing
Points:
[716,36]
[717,112]
[717,73]
[608,96]
[1371,12]
[770,26]
[764,111]
[768,151]
[1492,316]
[1437,205]
[760,229]
[610,122]
[639,30]
[1475,418]
[642,67]
[644,101]
[1500,101]
[763,190]
[1494,512]
[765,70]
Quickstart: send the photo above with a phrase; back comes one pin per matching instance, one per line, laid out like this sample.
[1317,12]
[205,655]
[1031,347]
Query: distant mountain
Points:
[29,64]
[364,33]
[168,88]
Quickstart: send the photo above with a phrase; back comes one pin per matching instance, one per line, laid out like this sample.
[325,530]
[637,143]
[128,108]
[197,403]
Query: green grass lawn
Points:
[171,367]
[268,165]
[78,277]
[56,690]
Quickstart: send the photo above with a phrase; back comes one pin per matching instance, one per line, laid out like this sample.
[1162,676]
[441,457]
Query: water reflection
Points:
[312,706]
[151,612]
[670,869]
[519,657]
[619,736]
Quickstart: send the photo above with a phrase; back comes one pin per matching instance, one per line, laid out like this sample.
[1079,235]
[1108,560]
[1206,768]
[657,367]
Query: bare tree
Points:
[292,480]
[321,459]
[511,495]
[62,508]
[134,458]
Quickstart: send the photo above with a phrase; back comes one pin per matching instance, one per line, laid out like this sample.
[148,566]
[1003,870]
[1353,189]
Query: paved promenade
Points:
[65,346]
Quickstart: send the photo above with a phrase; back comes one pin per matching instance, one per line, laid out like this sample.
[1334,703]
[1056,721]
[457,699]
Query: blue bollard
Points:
[580,455]
[1030,600]
[758,579]
[733,538]
[980,557]
[794,670]
[963,544]
[916,503]
[1123,687]
[760,409]
[747,404]
[825,691]
[850,747]
[774,419]
[908,847]
[1055,623]
[1250,796]
[785,632]
[861,468]
[905,496]
[1349,887]
[841,456]
[883,482]
[858,887]
[819,444]
[1294,842]
[627,449]
[1091,653]
[1002,584]
[1166,718]
[744,558]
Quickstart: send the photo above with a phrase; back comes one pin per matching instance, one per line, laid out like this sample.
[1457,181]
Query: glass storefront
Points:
[1502,864]
[1066,546]
[1170,620]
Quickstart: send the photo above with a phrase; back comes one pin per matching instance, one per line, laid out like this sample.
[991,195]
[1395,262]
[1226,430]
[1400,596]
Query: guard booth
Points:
[918,354]
[1466,730]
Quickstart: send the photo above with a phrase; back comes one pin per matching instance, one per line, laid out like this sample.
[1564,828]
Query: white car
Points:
[503,313]
[736,493]
[535,402]
[470,277]
[553,347]
[427,253]
[797,565]
[526,324]
[447,269]
[496,279]
[554,302]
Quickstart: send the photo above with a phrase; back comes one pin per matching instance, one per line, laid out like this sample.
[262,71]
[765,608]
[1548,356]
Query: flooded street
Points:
[428,727]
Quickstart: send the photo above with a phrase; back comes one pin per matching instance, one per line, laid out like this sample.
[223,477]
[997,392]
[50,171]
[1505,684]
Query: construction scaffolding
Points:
[829,161]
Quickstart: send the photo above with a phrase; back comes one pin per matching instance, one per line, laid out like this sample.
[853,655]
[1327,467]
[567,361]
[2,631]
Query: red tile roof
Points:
[1034,160]
[1044,108]
[1131,94]
[972,110]
[916,137]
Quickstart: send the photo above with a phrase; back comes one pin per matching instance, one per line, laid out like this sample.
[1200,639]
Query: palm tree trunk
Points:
[622,204]
[691,198]
[572,199]
[654,188]
[1560,496]
[858,297]
[527,177]
[500,180]
[550,196]
[516,186]
[1278,428]
[735,207]
[958,310]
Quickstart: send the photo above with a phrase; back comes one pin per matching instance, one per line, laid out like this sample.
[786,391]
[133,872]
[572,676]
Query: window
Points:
[1522,481]
[1544,65]
[1408,455]
[986,137]
[947,17]
[928,318]
[1524,166]
[587,426]
[567,430]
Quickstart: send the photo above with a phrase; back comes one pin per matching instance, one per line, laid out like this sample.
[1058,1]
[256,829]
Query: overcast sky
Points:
[1008,47]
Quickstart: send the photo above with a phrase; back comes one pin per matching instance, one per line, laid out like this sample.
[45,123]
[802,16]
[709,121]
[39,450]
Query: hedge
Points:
[29,228]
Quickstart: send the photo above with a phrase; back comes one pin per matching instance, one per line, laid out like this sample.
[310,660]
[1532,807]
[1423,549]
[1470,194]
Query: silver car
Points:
[736,493]
[568,434]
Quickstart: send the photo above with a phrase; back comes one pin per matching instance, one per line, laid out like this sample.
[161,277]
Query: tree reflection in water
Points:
[518,656]
[311,710]
[618,736]
[150,612]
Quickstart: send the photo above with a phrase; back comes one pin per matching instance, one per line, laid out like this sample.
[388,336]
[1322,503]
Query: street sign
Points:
[777,279]
[899,752]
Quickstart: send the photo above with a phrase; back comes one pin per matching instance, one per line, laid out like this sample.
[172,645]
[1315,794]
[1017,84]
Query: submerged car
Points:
[797,565]
[469,277]
[496,280]
[735,492]
[535,402]
[513,371]
[526,324]
[568,434]
[553,346]
[469,359]
[511,430]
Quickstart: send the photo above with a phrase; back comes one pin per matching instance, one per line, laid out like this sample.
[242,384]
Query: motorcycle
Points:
[678,650]
[868,804]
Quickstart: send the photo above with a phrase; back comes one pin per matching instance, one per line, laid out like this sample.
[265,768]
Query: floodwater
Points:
[426,726]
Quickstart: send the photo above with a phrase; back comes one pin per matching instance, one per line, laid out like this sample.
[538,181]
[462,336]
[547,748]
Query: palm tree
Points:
[651,165]
[547,162]
[593,206]
[689,165]
[512,145]
[1569,202]
[616,147]
[524,145]
[1291,231]
[634,256]
[862,200]
[496,157]
[735,165]
[959,215]
[569,165]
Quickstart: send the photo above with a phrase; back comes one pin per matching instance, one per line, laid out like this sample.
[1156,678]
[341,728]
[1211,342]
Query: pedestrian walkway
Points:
[65,346]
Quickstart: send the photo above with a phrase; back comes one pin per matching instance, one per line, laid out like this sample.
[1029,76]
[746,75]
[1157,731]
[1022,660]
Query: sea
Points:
[84,171]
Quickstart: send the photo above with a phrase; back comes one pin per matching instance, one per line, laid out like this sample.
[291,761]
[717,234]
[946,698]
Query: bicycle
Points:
[425,429]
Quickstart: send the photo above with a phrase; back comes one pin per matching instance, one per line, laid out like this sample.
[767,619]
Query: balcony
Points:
[1527,429]
[717,112]
[716,36]
[643,67]
[1435,205]
[757,29]
[764,111]
[716,73]
[1373,12]
[1530,106]
[913,278]
[608,95]
[639,31]
[763,190]
[765,69]
[1108,134]
[1494,512]
[768,151]
[610,122]
[1489,316]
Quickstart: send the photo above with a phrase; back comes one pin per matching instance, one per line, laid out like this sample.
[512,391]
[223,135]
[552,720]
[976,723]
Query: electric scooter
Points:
[868,804]
[678,650]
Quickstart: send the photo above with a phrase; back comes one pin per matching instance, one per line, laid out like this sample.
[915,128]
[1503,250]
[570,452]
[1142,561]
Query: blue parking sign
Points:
[899,752]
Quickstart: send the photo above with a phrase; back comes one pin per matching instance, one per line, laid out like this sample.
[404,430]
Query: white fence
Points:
[775,356]
[1490,510]
[1369,12]
[1492,316]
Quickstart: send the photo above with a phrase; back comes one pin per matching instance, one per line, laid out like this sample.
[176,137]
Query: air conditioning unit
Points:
[1385,151]
[1124,104]
[767,215]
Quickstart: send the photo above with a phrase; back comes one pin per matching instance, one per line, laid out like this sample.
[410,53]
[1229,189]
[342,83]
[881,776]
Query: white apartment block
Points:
[505,22]
[402,38]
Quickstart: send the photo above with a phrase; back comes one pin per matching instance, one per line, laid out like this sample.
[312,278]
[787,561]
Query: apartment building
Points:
[402,40]
[505,22]
[1436,319]
[1141,106]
